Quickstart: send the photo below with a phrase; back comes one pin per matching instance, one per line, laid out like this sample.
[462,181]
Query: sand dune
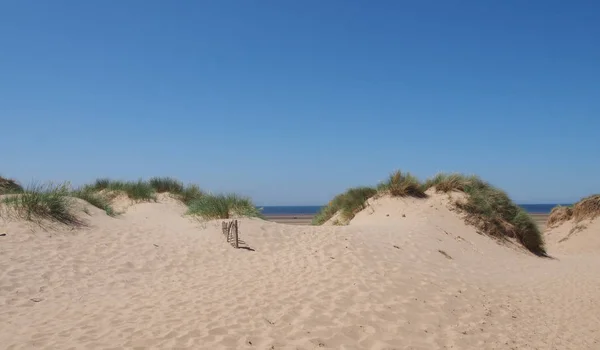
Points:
[575,237]
[416,279]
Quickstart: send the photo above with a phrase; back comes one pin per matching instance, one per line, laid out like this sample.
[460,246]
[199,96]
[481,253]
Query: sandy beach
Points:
[153,278]
[297,175]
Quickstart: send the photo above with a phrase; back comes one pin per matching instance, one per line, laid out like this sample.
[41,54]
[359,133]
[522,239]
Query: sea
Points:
[313,209]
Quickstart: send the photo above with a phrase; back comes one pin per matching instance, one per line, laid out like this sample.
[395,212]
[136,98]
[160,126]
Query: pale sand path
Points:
[152,279]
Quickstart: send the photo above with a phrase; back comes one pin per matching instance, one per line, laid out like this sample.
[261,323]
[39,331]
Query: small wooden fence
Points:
[230,230]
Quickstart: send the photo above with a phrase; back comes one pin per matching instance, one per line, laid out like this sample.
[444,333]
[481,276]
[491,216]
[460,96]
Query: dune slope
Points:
[152,278]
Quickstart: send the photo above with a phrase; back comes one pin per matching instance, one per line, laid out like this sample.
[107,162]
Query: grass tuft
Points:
[94,198]
[222,207]
[9,186]
[102,184]
[587,208]
[139,191]
[348,204]
[136,190]
[166,184]
[190,193]
[44,202]
[402,185]
[146,190]
[450,182]
[558,215]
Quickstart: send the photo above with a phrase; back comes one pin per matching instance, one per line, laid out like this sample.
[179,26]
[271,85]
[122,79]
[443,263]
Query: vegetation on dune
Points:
[491,210]
[558,215]
[587,208]
[146,190]
[95,198]
[43,202]
[402,185]
[136,190]
[486,207]
[222,206]
[189,194]
[354,199]
[8,186]
[166,184]
[450,182]
[348,204]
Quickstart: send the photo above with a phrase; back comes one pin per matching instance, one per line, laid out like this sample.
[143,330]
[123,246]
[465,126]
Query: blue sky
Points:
[291,102]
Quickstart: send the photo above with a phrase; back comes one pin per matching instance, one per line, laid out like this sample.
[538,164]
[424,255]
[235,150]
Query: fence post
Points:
[235,232]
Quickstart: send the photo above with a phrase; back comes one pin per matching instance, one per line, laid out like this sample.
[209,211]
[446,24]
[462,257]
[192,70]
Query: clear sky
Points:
[291,102]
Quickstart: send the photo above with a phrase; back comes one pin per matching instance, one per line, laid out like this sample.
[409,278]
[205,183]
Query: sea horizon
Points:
[541,208]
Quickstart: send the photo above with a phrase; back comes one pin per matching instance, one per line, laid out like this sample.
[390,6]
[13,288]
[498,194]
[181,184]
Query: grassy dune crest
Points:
[402,185]
[587,208]
[348,204]
[43,202]
[486,207]
[8,186]
[222,206]
[354,199]
[136,190]
[146,190]
[491,210]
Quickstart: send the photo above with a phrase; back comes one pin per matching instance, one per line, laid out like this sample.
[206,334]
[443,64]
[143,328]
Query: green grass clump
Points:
[166,184]
[491,210]
[139,191]
[450,182]
[94,198]
[348,204]
[102,184]
[44,202]
[136,190]
[9,186]
[146,190]
[190,193]
[402,185]
[222,207]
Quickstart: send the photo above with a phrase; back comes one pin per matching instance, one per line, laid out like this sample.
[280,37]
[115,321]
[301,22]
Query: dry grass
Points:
[587,208]
[558,215]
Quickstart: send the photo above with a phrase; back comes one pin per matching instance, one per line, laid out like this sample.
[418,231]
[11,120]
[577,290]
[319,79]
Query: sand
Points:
[154,279]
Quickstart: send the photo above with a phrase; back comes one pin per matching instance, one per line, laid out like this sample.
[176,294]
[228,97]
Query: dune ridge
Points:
[405,273]
[575,229]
